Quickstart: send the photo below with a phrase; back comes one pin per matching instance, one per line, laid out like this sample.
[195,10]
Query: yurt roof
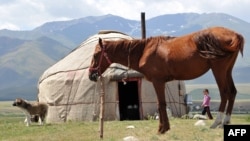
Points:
[80,58]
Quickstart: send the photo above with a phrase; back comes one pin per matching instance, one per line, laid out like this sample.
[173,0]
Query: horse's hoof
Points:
[215,125]
[163,130]
[224,123]
[221,126]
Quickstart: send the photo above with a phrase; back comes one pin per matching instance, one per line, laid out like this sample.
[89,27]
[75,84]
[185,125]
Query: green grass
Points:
[13,128]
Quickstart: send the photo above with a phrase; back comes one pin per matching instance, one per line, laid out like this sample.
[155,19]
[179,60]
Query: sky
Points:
[29,14]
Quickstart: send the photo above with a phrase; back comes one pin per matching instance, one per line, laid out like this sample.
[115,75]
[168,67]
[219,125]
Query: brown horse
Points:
[162,59]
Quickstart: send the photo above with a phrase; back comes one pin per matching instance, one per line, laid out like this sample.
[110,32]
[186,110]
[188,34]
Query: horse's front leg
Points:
[164,122]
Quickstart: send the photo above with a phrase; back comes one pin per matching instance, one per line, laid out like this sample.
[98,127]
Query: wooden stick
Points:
[102,101]
[143,25]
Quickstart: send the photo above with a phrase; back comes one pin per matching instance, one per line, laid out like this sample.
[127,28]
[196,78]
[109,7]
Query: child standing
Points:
[206,104]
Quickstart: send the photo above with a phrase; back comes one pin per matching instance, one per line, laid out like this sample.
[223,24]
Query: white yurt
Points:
[71,96]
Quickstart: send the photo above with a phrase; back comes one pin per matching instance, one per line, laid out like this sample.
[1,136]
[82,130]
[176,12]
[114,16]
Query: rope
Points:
[129,56]
[102,106]
[172,99]
[67,106]
[179,90]
[128,68]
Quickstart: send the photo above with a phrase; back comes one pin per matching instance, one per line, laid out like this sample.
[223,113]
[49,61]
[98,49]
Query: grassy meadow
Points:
[13,128]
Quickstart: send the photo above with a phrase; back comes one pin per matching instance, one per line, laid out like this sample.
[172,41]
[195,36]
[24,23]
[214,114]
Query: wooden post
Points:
[143,25]
[102,101]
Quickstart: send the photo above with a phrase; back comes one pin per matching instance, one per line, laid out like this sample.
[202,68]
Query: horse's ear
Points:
[100,42]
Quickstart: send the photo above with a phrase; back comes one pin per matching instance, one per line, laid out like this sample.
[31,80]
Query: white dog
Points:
[198,116]
[201,121]
[32,110]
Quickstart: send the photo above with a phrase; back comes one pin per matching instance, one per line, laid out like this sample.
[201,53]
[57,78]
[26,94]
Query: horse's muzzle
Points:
[93,76]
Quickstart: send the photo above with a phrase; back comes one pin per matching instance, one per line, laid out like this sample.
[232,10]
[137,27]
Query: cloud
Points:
[23,14]
[28,14]
[131,9]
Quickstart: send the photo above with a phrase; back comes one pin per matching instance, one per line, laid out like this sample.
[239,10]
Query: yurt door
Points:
[129,100]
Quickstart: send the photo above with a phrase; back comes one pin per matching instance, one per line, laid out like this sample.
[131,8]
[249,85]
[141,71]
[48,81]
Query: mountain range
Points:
[25,55]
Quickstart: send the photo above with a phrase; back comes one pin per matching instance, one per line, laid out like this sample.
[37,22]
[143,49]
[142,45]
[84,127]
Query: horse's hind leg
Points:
[231,98]
[220,77]
[223,77]
[230,90]
[231,93]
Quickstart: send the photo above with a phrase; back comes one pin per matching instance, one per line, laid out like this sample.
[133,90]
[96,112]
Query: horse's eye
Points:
[95,57]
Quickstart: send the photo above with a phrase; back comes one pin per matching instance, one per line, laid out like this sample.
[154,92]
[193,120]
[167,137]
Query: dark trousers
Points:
[207,110]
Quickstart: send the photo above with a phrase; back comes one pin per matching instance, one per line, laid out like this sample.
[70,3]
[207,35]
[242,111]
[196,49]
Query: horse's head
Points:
[100,61]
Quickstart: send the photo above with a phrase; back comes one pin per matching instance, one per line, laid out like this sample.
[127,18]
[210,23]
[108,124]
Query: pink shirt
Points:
[206,101]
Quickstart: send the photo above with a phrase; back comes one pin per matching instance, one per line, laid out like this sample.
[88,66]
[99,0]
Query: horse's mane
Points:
[161,38]
[136,44]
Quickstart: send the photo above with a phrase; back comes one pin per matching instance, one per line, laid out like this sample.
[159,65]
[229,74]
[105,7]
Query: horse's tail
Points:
[237,43]
[210,46]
